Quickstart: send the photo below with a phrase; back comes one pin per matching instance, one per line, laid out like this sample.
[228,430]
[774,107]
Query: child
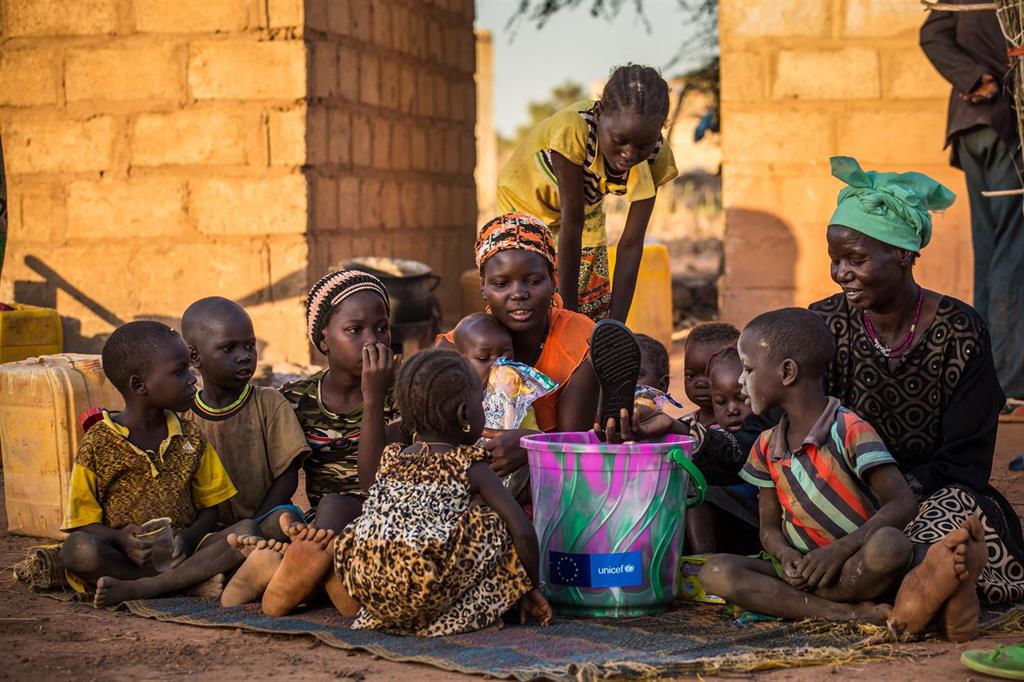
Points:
[421,559]
[345,409]
[252,428]
[652,382]
[570,161]
[832,500]
[143,464]
[703,341]
[481,339]
[727,398]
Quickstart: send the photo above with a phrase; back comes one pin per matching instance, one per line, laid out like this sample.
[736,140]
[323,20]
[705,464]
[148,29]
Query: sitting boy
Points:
[142,464]
[832,500]
[652,382]
[253,428]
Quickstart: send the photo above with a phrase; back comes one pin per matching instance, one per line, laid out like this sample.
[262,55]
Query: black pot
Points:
[411,294]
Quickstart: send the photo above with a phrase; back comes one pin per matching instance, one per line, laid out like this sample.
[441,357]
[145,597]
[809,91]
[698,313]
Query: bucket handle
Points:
[435,281]
[696,477]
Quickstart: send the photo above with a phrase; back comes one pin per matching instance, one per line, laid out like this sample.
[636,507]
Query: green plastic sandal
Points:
[1006,661]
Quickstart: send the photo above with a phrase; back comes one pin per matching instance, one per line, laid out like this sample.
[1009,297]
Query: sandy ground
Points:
[43,639]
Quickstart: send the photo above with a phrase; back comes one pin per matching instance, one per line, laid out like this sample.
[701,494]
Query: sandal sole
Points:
[615,355]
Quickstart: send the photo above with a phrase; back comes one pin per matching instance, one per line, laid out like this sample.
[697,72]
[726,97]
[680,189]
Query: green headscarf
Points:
[890,207]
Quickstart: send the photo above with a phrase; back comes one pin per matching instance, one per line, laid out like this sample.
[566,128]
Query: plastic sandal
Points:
[1006,662]
[615,355]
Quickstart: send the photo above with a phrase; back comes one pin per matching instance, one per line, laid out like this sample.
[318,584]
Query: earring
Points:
[466,428]
[487,309]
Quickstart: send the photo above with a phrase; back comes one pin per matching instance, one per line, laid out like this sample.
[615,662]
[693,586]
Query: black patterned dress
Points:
[937,409]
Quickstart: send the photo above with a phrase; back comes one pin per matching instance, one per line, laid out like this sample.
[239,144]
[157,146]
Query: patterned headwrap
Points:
[331,290]
[514,231]
[890,207]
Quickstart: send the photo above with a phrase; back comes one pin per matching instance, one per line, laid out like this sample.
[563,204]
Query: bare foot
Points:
[339,596]
[958,617]
[246,544]
[290,524]
[111,592]
[931,584]
[494,627]
[255,573]
[872,613]
[303,569]
[210,588]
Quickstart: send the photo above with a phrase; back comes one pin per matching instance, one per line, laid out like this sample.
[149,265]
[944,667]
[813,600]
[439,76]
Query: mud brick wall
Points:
[158,151]
[804,80]
[391,146]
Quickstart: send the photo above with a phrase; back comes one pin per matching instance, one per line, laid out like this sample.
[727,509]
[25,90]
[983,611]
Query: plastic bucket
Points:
[609,520]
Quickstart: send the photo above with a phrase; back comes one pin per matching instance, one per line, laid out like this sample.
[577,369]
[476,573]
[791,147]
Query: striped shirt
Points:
[821,487]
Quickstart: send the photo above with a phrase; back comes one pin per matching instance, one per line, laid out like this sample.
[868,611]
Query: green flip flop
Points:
[1005,661]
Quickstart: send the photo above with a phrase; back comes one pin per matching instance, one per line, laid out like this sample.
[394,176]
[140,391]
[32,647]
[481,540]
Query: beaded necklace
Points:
[908,338]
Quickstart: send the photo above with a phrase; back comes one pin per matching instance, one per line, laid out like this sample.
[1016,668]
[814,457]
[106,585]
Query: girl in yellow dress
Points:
[570,161]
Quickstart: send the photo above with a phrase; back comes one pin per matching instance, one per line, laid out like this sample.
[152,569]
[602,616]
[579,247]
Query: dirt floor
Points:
[43,639]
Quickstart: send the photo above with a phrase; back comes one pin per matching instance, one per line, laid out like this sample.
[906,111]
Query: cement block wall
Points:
[241,147]
[803,80]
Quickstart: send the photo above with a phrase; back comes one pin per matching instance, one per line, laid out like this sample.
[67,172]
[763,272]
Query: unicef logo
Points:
[630,568]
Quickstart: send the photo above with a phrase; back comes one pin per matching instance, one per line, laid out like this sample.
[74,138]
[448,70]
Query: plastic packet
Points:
[512,388]
[652,397]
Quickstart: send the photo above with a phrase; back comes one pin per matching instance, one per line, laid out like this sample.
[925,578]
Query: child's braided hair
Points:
[638,89]
[332,289]
[430,386]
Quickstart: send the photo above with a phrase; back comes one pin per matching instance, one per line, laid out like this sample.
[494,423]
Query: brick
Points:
[289,260]
[28,77]
[59,18]
[452,153]
[850,73]
[136,73]
[339,17]
[740,305]
[285,13]
[912,138]
[909,75]
[362,143]
[59,145]
[249,206]
[315,18]
[427,199]
[339,136]
[417,34]
[237,69]
[348,73]
[418,147]
[317,136]
[286,132]
[189,136]
[400,28]
[348,202]
[381,143]
[325,203]
[743,76]
[391,210]
[146,207]
[880,19]
[442,203]
[425,91]
[435,41]
[441,98]
[410,209]
[777,137]
[407,91]
[325,69]
[382,24]
[42,216]
[369,204]
[400,146]
[454,43]
[369,79]
[167,16]
[362,20]
[776,18]
[389,82]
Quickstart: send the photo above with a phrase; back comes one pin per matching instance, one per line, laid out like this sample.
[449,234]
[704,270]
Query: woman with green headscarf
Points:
[917,365]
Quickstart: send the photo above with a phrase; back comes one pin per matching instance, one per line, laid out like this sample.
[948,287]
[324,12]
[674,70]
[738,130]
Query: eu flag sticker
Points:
[624,569]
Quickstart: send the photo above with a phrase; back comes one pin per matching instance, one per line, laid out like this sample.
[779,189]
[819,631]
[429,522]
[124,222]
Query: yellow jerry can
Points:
[27,330]
[651,312]
[41,400]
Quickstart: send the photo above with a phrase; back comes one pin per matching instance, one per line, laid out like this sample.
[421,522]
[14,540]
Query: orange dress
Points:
[565,348]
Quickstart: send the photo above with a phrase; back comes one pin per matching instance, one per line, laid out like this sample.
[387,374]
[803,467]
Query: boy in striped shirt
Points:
[831,499]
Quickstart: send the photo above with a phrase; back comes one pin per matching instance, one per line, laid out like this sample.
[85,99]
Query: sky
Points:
[530,62]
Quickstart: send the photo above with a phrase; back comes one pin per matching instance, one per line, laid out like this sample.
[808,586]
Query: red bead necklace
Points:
[908,338]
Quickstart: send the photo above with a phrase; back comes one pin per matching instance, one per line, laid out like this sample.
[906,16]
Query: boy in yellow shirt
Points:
[143,464]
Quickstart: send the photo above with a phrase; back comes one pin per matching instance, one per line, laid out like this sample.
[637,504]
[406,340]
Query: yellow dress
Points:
[527,183]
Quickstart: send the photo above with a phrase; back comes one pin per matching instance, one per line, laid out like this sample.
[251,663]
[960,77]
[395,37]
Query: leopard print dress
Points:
[419,559]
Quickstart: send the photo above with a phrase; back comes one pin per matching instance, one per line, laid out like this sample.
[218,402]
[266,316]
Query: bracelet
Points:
[540,585]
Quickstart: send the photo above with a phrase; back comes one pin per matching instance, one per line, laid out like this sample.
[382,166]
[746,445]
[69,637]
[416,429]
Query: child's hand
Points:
[379,367]
[134,547]
[647,423]
[534,604]
[791,560]
[821,567]
[507,454]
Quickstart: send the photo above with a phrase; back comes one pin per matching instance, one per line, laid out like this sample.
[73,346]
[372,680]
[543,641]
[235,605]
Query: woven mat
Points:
[690,639]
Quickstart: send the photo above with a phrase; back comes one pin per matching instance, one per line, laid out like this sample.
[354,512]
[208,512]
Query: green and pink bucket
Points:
[609,520]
